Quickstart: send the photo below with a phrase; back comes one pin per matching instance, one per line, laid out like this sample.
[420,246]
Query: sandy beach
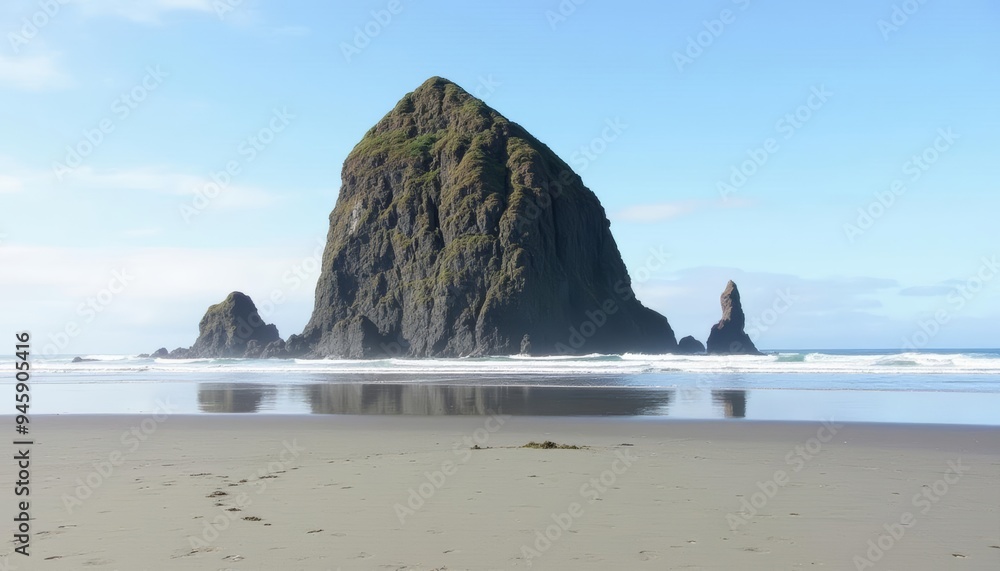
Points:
[372,492]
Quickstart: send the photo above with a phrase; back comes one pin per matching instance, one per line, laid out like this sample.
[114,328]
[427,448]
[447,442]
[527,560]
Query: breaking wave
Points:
[845,363]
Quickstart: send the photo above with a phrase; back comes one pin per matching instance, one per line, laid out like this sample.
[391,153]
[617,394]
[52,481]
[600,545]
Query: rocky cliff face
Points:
[727,336]
[690,346]
[233,328]
[458,233]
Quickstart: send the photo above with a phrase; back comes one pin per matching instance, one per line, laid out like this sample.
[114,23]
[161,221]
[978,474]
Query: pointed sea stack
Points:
[232,328]
[457,233]
[727,336]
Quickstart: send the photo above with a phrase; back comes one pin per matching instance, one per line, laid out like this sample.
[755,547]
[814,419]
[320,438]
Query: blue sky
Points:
[830,103]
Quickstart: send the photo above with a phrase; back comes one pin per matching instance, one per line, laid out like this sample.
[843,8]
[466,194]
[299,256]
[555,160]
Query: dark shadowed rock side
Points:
[233,328]
[727,336]
[458,233]
[690,346]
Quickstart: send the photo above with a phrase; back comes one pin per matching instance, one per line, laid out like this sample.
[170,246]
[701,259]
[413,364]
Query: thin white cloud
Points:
[16,178]
[144,11]
[658,212]
[142,178]
[291,31]
[32,73]
[165,293]
[142,232]
[161,180]
[10,184]
[160,273]
[927,291]
[782,310]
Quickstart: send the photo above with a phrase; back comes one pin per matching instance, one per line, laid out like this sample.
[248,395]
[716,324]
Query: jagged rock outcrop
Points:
[232,328]
[458,233]
[526,344]
[275,350]
[690,346]
[727,336]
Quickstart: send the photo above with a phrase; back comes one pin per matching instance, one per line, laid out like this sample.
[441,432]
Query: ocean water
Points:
[934,386]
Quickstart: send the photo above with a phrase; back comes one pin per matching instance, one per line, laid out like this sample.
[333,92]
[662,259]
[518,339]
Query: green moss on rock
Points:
[458,233]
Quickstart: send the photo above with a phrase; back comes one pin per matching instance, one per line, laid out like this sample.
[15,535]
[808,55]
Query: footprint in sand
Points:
[756,550]
[194,552]
[648,555]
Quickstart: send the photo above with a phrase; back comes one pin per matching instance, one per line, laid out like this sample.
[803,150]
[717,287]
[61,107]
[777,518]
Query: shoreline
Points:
[452,399]
[329,491]
[279,417]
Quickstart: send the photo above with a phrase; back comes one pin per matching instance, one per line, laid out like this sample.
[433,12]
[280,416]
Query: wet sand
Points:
[409,492]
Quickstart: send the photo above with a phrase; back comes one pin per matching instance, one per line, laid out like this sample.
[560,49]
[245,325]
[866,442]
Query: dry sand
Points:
[329,492]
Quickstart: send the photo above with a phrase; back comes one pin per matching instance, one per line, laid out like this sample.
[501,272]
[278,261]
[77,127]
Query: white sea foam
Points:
[629,364]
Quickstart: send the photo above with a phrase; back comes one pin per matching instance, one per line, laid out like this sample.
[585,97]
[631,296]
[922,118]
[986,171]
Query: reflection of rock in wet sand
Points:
[231,397]
[734,403]
[427,399]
